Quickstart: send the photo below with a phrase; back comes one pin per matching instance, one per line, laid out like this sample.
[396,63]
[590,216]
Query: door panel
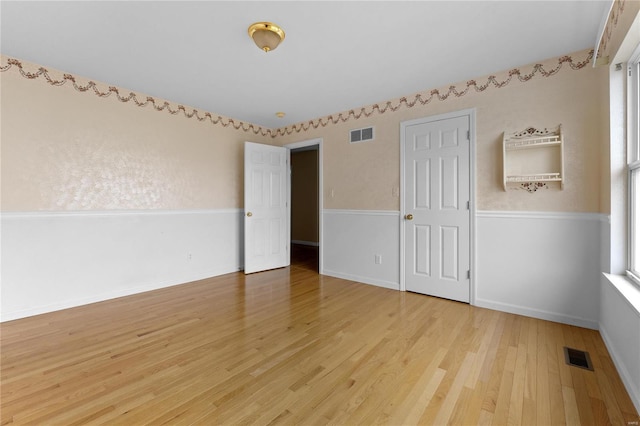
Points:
[449,183]
[422,250]
[436,195]
[266,221]
[422,184]
[449,252]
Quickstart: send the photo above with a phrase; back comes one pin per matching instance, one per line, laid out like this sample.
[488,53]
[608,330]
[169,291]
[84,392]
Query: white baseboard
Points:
[632,389]
[536,313]
[134,289]
[360,279]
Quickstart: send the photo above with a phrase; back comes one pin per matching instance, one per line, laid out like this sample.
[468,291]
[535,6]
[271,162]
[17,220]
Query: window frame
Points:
[633,165]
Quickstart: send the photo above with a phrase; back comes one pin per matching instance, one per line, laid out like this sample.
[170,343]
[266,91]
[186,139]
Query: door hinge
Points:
[468,205]
[468,135]
[468,274]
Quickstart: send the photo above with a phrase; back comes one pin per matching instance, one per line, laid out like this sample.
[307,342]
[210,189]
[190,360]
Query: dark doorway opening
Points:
[305,207]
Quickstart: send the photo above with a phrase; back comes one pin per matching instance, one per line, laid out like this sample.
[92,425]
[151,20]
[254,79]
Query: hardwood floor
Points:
[292,347]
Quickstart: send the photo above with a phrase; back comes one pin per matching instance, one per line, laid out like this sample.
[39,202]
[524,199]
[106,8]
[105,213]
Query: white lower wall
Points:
[542,265]
[352,239]
[545,265]
[57,260]
[620,330]
[537,264]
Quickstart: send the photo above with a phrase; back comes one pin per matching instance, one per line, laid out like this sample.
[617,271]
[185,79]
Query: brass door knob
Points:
[409,216]
[249,214]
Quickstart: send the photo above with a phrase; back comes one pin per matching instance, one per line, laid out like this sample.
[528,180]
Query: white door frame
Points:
[471,113]
[303,144]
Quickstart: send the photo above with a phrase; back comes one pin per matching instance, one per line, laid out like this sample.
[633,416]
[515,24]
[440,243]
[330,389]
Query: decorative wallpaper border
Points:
[157,105]
[420,98]
[612,23]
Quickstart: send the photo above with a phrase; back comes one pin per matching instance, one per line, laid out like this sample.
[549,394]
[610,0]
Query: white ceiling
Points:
[336,55]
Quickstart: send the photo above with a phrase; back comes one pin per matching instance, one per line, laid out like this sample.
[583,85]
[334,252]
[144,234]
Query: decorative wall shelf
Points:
[533,156]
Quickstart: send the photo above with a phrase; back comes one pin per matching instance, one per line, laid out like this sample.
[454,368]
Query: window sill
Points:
[629,291]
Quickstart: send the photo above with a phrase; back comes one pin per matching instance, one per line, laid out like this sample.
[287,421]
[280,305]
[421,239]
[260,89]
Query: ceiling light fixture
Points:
[266,36]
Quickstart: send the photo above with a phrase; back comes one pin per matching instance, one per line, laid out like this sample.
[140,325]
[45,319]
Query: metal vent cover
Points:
[577,358]
[361,135]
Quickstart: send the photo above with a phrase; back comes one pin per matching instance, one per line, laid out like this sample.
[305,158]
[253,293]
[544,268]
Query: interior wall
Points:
[531,248]
[619,300]
[367,175]
[304,197]
[64,150]
[91,154]
[103,198]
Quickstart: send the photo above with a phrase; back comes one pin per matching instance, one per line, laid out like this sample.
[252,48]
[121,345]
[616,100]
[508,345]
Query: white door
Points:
[436,206]
[266,206]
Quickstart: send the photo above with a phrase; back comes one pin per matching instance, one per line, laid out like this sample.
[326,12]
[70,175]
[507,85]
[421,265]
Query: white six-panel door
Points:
[436,206]
[266,201]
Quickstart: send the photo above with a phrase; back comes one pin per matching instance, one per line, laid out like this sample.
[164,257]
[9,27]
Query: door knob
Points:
[409,216]
[249,214]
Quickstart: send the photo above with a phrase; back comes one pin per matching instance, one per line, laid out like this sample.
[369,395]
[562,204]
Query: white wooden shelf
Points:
[542,177]
[532,143]
[532,156]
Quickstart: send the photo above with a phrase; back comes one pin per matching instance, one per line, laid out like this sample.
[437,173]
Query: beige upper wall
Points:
[364,175]
[68,150]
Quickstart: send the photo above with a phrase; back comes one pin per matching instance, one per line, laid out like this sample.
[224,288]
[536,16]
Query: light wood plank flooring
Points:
[292,347]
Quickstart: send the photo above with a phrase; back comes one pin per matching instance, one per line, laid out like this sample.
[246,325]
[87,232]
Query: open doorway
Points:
[306,205]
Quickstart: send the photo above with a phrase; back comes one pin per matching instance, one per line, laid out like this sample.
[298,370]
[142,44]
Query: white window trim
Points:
[633,157]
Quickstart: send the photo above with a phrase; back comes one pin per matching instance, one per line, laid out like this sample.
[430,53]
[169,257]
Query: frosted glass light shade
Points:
[266,36]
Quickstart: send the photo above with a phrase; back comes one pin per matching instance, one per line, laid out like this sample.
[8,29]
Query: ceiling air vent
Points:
[361,135]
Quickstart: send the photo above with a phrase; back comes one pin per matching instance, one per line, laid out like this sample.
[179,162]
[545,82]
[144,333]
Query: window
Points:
[633,156]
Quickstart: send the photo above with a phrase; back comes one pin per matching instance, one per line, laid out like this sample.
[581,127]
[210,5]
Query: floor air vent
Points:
[577,358]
